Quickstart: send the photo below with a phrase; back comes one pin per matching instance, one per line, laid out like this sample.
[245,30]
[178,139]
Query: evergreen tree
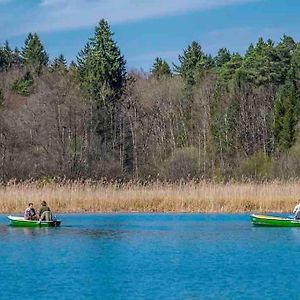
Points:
[34,54]
[222,57]
[59,64]
[192,63]
[229,69]
[258,67]
[22,86]
[102,65]
[3,61]
[286,116]
[103,77]
[6,57]
[294,72]
[266,63]
[249,50]
[208,62]
[284,53]
[17,60]
[160,68]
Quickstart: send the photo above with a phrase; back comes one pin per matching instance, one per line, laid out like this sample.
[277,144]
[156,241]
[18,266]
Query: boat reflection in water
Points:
[28,231]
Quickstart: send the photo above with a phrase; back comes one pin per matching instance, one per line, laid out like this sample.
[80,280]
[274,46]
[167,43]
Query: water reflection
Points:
[3,229]
[28,231]
[68,231]
[94,233]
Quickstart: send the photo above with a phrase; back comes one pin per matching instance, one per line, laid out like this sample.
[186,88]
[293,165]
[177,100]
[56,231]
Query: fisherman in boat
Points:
[45,212]
[30,213]
[296,212]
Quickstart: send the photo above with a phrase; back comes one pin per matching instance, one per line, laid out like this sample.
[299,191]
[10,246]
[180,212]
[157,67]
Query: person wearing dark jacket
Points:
[45,212]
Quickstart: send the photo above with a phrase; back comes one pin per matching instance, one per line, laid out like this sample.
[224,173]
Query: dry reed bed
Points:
[155,197]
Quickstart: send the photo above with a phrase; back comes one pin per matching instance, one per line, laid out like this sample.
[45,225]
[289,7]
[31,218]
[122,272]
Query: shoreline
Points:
[124,212]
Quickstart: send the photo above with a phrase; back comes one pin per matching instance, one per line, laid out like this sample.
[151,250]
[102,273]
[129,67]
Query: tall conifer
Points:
[59,64]
[160,68]
[286,116]
[103,77]
[192,62]
[33,53]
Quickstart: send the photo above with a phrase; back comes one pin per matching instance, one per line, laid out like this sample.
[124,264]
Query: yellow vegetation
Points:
[153,197]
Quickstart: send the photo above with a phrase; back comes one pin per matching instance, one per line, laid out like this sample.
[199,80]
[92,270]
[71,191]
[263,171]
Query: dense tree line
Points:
[231,116]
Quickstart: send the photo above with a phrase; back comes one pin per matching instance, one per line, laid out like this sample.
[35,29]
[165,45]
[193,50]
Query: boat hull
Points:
[272,221]
[21,222]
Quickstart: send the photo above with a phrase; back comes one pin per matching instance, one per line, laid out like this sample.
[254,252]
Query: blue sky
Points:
[146,29]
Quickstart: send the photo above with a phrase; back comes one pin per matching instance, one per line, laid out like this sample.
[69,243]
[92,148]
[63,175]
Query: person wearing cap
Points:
[45,212]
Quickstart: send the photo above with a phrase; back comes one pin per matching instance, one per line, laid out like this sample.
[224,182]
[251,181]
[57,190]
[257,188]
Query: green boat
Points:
[263,220]
[21,222]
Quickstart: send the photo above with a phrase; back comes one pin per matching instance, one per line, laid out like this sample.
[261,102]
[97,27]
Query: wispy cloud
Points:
[52,15]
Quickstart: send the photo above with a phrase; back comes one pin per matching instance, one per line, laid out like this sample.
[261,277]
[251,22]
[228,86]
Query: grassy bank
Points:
[157,197]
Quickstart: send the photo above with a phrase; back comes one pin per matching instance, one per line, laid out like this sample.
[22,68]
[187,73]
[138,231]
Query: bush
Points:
[256,167]
[287,166]
[183,164]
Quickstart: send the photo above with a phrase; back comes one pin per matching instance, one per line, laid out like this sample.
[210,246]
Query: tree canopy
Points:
[231,116]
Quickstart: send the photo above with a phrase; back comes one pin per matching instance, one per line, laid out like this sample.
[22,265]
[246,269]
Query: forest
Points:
[229,117]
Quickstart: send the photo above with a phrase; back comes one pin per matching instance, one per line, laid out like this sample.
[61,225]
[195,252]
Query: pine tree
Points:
[192,63]
[222,57]
[258,67]
[286,116]
[160,68]
[103,78]
[294,72]
[59,64]
[101,64]
[6,57]
[230,68]
[22,86]
[34,54]
[284,53]
[3,61]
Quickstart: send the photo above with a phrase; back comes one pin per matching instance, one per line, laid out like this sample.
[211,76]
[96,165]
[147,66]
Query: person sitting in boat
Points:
[45,212]
[296,212]
[30,213]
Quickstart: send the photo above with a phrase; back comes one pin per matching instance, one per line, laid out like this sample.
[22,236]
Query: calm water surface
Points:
[150,256]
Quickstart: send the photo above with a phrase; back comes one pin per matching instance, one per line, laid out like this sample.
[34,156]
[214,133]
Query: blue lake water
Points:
[150,256]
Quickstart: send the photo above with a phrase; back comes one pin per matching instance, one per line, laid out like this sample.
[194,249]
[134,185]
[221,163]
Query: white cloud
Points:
[53,15]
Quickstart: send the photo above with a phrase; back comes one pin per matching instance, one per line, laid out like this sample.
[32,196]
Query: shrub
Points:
[183,164]
[256,167]
[287,166]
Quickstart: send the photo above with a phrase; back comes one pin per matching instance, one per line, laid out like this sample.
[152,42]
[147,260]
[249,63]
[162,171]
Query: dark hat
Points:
[44,203]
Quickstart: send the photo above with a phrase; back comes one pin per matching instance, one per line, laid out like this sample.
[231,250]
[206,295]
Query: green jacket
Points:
[44,208]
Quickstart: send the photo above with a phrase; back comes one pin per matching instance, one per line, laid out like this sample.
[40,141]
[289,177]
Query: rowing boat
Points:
[21,222]
[263,220]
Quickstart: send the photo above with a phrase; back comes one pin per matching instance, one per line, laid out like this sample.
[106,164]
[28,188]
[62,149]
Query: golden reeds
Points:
[154,197]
